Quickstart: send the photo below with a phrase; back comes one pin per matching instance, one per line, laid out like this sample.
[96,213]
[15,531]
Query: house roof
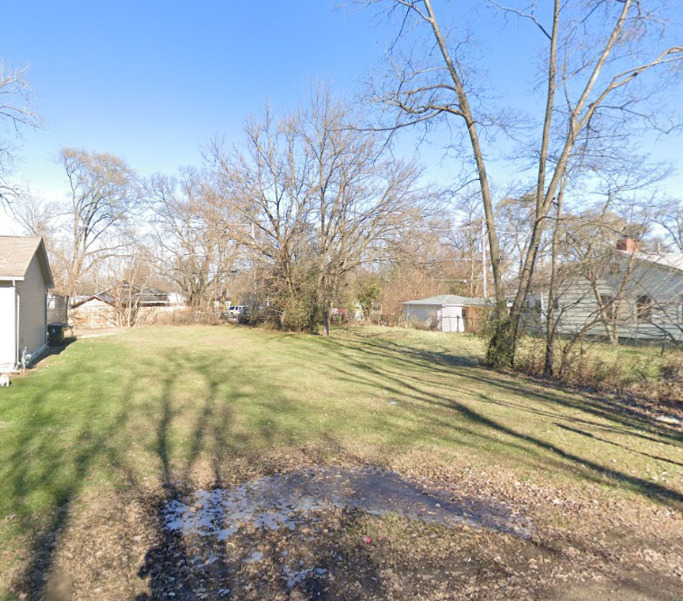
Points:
[450,300]
[671,260]
[16,253]
[100,296]
[143,296]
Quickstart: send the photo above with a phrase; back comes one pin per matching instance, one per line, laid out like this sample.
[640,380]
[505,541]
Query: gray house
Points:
[25,277]
[447,312]
[626,294]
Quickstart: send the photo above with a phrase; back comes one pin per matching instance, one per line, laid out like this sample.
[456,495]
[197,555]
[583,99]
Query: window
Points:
[644,306]
[607,305]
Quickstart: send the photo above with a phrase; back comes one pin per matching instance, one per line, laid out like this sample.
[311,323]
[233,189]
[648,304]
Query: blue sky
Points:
[153,81]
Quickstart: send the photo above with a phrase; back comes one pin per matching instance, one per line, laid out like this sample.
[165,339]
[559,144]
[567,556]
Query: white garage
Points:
[25,277]
[447,312]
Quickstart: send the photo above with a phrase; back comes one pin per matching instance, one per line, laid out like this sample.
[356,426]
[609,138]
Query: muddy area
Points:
[296,532]
[291,499]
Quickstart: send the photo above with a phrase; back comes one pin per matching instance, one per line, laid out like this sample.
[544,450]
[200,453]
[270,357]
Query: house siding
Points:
[424,315]
[454,314]
[32,309]
[578,304]
[8,346]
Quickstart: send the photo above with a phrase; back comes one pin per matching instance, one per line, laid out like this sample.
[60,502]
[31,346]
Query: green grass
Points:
[160,405]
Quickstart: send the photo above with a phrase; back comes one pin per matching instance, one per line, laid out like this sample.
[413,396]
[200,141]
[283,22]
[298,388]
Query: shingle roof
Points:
[450,299]
[673,260]
[16,253]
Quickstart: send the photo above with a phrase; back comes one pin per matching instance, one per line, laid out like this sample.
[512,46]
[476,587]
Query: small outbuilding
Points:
[447,312]
[25,278]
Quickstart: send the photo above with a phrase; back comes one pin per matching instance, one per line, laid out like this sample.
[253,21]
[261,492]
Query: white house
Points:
[627,294]
[25,278]
[447,312]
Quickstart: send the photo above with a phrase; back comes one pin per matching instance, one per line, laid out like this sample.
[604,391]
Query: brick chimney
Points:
[628,244]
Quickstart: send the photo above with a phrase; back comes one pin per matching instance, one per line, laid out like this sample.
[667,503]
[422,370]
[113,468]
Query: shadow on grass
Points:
[43,466]
[186,567]
[611,442]
[195,424]
[397,383]
[442,362]
[53,351]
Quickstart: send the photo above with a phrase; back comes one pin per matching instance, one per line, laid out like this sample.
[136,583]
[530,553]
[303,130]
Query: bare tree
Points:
[321,197]
[35,216]
[103,191]
[16,110]
[593,54]
[128,274]
[193,246]
[669,216]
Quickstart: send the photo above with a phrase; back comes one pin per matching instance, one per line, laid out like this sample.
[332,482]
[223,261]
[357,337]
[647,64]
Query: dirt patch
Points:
[582,544]
[286,500]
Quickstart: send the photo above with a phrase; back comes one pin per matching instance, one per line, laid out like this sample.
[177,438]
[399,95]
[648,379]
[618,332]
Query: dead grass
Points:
[652,373]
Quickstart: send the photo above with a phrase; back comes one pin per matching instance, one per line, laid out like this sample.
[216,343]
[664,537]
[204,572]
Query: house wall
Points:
[451,319]
[93,314]
[8,342]
[32,309]
[426,316]
[579,305]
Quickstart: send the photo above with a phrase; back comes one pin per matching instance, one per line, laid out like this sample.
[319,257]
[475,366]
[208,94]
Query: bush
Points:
[641,372]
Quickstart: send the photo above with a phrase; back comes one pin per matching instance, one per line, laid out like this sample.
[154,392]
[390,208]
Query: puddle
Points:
[290,499]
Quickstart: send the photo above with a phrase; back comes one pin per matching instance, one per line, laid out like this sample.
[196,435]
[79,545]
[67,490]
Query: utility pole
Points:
[253,260]
[483,256]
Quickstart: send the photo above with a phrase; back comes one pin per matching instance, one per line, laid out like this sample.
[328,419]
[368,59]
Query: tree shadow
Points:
[188,567]
[195,430]
[40,463]
[394,381]
[605,440]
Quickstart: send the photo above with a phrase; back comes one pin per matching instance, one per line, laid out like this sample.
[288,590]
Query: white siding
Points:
[578,304]
[426,316]
[32,309]
[451,319]
[8,343]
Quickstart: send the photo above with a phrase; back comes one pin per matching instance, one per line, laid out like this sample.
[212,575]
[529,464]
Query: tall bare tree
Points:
[102,192]
[16,110]
[669,216]
[592,55]
[193,246]
[321,196]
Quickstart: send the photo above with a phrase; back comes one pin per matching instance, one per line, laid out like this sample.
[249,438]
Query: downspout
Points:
[17,309]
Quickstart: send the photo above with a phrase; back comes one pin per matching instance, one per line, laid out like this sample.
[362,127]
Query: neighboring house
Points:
[25,278]
[448,313]
[94,311]
[627,294]
[175,299]
[121,305]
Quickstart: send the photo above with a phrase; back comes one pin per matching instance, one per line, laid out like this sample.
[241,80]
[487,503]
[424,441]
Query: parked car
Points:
[237,313]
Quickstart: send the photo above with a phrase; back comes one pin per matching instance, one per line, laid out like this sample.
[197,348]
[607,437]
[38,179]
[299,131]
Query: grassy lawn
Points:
[138,414]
